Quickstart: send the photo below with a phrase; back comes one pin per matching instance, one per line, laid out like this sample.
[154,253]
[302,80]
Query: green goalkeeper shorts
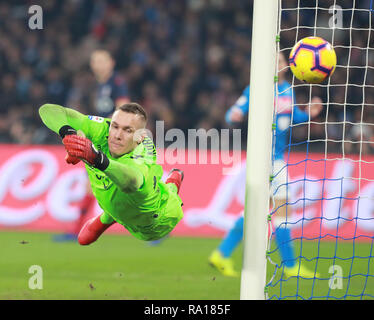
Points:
[165,220]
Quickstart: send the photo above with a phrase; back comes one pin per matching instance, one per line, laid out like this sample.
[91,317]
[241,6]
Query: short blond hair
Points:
[135,108]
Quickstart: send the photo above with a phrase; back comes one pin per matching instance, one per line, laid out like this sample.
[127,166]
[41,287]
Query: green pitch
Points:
[114,267]
[122,267]
[351,262]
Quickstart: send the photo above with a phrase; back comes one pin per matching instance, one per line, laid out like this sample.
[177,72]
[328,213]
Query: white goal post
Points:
[322,221]
[261,103]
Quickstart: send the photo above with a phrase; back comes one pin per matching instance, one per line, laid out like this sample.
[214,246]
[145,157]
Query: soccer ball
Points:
[312,60]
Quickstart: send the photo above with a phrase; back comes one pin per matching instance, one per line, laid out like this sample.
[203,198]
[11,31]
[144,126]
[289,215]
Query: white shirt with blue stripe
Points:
[285,106]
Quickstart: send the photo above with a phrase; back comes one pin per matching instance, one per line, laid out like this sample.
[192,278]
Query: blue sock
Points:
[232,239]
[283,240]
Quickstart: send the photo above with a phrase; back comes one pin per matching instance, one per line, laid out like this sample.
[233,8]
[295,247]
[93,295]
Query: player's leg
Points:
[281,208]
[221,257]
[283,236]
[173,182]
[283,233]
[232,239]
[84,207]
[175,178]
[94,227]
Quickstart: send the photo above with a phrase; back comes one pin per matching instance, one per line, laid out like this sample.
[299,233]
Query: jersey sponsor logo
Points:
[106,183]
[96,119]
[136,156]
[150,147]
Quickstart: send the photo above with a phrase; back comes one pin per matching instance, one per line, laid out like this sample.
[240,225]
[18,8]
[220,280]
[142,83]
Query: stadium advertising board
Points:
[40,192]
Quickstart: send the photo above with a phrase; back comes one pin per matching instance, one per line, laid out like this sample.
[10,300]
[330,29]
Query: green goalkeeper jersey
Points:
[148,213]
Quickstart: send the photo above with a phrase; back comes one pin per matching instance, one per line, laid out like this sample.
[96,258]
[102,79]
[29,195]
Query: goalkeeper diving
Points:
[121,164]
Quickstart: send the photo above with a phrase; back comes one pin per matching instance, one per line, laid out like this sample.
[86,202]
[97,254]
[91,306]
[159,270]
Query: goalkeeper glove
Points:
[71,160]
[65,131]
[82,148]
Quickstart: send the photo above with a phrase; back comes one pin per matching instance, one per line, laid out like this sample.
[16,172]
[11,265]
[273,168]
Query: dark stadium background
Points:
[185,61]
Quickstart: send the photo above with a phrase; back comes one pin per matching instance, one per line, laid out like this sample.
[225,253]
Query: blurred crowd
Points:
[185,61]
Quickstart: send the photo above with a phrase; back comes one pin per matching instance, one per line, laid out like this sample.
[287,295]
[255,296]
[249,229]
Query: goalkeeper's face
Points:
[124,132]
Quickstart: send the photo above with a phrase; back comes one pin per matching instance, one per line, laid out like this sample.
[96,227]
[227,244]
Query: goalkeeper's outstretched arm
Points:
[56,117]
[66,122]
[125,177]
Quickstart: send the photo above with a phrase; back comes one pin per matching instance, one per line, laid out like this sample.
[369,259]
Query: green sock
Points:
[106,218]
[172,187]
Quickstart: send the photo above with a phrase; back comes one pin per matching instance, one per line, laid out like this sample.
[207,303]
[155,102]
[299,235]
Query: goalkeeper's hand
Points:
[66,131]
[71,160]
[82,148]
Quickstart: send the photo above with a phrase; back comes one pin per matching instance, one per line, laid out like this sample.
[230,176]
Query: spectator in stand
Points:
[195,55]
[112,90]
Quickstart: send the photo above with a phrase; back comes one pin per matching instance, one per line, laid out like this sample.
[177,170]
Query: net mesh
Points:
[324,183]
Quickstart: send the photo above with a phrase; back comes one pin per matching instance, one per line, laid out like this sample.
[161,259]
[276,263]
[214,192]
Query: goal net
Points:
[325,185]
